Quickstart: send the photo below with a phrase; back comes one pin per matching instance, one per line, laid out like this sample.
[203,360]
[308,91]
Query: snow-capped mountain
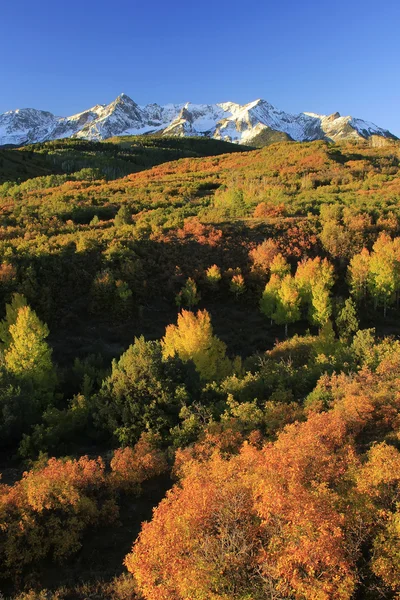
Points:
[256,123]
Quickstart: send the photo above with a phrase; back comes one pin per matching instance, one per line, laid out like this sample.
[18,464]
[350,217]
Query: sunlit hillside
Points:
[214,337]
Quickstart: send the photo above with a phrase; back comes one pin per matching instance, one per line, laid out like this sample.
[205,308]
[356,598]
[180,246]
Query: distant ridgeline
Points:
[257,123]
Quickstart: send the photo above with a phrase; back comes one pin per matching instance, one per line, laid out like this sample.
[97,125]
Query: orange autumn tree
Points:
[263,255]
[45,514]
[290,519]
[308,552]
[202,541]
[379,482]
[265,523]
[131,466]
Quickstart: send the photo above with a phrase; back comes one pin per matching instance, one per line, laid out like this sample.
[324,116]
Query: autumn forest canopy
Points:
[199,390]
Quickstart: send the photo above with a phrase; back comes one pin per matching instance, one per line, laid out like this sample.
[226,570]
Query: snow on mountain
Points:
[25,125]
[195,119]
[228,121]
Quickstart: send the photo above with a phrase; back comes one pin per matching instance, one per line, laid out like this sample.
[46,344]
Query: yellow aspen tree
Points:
[288,303]
[358,274]
[383,272]
[213,276]
[269,298]
[321,308]
[29,355]
[193,339]
[17,302]
[280,266]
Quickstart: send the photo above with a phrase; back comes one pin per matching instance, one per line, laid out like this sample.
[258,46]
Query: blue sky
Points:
[310,55]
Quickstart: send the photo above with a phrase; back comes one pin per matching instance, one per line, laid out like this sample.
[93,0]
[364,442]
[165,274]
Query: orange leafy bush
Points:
[289,519]
[263,521]
[46,513]
[130,467]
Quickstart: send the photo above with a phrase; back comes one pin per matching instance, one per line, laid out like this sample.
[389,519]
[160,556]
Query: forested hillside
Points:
[223,327]
[116,157]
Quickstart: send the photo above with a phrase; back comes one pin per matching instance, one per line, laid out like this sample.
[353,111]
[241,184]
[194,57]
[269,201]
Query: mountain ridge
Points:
[227,121]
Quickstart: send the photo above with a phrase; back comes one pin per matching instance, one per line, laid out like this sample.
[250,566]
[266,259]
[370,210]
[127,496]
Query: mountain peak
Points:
[260,102]
[251,123]
[124,99]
